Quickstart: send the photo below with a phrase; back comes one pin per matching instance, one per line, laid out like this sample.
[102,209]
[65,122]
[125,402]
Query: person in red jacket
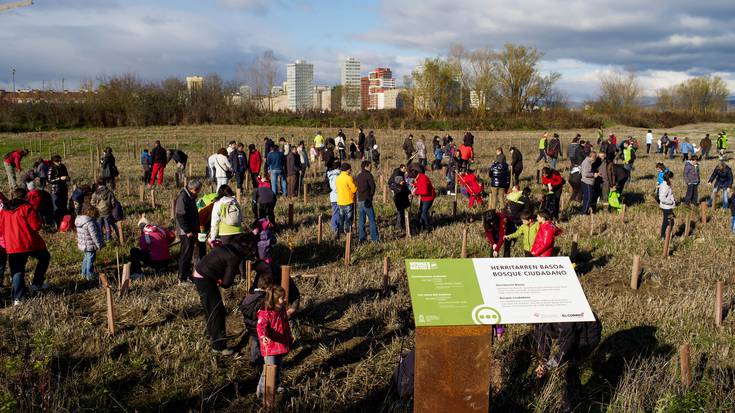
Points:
[12,165]
[473,187]
[495,224]
[19,226]
[255,161]
[274,333]
[554,183]
[3,253]
[425,191]
[466,156]
[543,246]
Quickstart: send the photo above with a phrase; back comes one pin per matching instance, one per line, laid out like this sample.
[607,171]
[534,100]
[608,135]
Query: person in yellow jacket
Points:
[346,190]
[526,232]
[542,145]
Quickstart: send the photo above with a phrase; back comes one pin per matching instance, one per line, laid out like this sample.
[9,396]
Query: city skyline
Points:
[84,39]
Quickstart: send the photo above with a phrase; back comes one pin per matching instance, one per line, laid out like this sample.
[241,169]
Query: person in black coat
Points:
[264,202]
[59,179]
[109,168]
[160,159]
[181,158]
[219,269]
[401,199]
[187,222]
[516,164]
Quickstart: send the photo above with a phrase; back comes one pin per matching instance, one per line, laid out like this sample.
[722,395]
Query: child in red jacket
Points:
[473,187]
[543,246]
[274,333]
[495,224]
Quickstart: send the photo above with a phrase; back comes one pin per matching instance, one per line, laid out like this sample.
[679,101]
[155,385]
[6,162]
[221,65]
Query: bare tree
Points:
[619,91]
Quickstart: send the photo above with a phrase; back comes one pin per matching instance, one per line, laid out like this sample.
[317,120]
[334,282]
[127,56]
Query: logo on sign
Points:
[423,265]
[483,314]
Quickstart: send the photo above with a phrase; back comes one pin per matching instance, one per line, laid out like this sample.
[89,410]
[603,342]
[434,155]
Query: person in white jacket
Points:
[667,203]
[332,175]
[219,167]
[223,210]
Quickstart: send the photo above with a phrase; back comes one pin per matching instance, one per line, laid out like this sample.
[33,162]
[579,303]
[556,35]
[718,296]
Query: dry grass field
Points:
[56,355]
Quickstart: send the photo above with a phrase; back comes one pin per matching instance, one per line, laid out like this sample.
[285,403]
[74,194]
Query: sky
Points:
[663,41]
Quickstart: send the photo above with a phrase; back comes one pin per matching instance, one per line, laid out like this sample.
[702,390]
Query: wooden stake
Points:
[153,198]
[348,246]
[718,304]
[622,214]
[238,195]
[464,242]
[306,191]
[592,223]
[688,224]
[249,274]
[121,232]
[117,266]
[408,223]
[575,246]
[686,372]
[636,272]
[319,229]
[385,193]
[110,306]
[538,176]
[703,212]
[127,185]
[141,193]
[190,175]
[285,279]
[386,279]
[125,284]
[454,207]
[290,214]
[269,395]
[667,241]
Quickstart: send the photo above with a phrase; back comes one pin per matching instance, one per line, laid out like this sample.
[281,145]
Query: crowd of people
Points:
[216,236]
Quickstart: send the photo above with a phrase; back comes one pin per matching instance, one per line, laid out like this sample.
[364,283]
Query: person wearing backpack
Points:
[108,168]
[218,269]
[226,221]
[146,164]
[89,239]
[153,249]
[274,334]
[12,165]
[575,343]
[553,149]
[104,200]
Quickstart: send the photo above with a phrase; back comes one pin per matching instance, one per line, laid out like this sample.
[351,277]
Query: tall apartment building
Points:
[194,83]
[300,82]
[350,81]
[381,80]
[364,92]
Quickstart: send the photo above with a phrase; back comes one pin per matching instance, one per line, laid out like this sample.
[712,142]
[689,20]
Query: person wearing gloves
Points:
[226,220]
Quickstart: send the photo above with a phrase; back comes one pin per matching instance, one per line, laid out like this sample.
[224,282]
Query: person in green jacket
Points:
[542,144]
[722,143]
[526,233]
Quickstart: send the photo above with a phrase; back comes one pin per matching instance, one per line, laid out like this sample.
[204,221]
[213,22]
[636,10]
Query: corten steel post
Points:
[635,272]
[450,380]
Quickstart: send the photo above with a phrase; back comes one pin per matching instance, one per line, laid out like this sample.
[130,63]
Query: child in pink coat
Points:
[274,334]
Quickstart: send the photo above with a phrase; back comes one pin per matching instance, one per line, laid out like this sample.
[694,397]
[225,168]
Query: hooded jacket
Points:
[499,173]
[273,324]
[332,175]
[19,226]
[721,178]
[423,188]
[104,200]
[255,161]
[691,173]
[543,245]
[346,189]
[156,240]
[527,234]
[666,196]
[89,236]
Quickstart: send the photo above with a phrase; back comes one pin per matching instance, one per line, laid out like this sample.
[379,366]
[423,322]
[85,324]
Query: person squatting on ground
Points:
[153,250]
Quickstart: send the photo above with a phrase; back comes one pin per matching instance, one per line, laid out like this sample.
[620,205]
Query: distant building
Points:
[364,92]
[476,99]
[194,83]
[300,84]
[392,99]
[381,80]
[318,95]
[246,93]
[350,81]
[277,91]
[23,96]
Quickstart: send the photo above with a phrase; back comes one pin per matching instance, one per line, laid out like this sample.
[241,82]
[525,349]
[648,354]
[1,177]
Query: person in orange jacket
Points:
[543,246]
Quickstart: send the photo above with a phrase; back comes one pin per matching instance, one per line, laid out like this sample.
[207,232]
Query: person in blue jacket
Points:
[275,164]
[720,180]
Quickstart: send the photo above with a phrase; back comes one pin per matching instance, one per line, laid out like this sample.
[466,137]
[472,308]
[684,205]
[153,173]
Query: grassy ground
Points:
[55,353]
